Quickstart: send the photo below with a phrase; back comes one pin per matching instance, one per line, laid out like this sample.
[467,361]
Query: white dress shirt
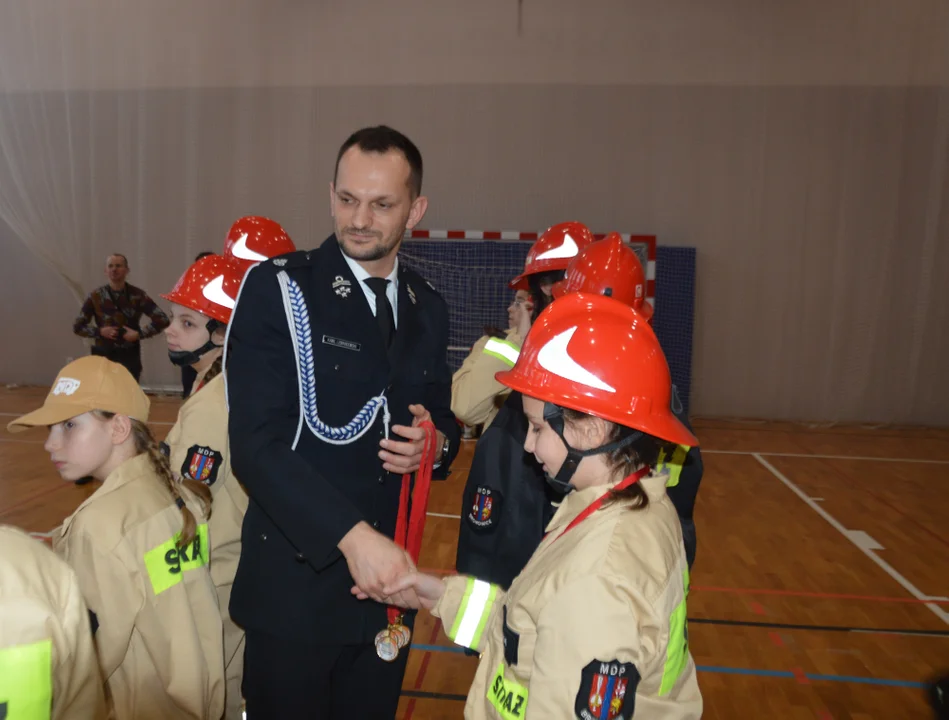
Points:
[392,289]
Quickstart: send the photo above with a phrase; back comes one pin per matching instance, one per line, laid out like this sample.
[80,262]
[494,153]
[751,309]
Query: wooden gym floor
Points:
[819,590]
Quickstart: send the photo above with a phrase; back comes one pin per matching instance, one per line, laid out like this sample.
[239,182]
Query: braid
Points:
[214,370]
[145,443]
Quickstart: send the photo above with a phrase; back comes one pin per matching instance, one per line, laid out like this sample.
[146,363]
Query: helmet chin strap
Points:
[190,357]
[553,414]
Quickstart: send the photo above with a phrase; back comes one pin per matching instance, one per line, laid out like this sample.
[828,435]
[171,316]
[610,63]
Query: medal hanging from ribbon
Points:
[408,535]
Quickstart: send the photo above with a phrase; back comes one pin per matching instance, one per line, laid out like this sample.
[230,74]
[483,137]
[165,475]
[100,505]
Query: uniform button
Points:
[375,524]
[336,367]
[382,479]
[263,536]
[299,558]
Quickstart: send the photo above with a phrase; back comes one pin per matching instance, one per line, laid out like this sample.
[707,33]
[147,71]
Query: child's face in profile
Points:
[79,446]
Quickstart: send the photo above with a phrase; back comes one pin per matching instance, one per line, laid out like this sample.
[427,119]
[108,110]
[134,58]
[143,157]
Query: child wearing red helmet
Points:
[594,626]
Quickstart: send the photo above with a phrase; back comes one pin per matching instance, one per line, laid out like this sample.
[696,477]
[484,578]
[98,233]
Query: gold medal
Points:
[387,645]
[402,634]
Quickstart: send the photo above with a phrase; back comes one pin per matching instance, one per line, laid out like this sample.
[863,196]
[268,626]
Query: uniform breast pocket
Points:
[341,357]
[417,366]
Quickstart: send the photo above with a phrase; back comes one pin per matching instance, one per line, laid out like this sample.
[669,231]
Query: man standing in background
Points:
[117,309]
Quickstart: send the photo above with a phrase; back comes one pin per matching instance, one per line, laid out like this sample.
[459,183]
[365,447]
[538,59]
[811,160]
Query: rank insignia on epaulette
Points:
[280,262]
[342,286]
[411,293]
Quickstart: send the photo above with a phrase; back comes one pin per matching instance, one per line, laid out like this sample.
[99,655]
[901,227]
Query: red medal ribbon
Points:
[598,503]
[408,529]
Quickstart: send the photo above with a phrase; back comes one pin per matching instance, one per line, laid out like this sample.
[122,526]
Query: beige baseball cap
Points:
[89,383]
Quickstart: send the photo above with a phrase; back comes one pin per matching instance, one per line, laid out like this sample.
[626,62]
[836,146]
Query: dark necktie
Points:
[383,308]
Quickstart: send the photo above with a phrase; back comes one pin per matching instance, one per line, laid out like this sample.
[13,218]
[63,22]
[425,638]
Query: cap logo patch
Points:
[66,386]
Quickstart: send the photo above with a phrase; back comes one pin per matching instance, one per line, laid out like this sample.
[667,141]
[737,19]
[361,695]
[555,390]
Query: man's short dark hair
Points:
[124,259]
[202,254]
[382,139]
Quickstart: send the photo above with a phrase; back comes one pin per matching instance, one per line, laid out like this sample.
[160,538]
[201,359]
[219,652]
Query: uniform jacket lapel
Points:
[347,303]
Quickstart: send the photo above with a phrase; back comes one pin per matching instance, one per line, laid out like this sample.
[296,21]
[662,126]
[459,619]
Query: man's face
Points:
[116,269]
[372,205]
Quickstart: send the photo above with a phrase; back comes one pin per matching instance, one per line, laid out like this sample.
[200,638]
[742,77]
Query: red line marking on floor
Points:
[824,715]
[800,676]
[757,608]
[776,639]
[423,666]
[818,595]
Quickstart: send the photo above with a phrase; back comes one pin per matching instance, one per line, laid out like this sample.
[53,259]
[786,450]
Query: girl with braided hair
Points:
[139,546]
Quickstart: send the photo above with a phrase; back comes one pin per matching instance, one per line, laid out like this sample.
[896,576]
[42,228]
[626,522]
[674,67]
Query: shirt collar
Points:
[132,469]
[361,274]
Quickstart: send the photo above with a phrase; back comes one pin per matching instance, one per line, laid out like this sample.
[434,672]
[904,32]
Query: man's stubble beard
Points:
[377,251]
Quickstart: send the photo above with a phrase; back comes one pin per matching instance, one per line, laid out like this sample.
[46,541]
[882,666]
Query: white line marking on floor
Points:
[883,564]
[863,540]
[453,517]
[818,499]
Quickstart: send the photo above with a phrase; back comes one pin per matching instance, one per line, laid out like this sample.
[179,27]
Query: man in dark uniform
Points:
[317,340]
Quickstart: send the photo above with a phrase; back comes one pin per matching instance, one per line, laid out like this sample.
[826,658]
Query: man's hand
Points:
[400,598]
[374,560]
[131,335]
[109,333]
[405,457]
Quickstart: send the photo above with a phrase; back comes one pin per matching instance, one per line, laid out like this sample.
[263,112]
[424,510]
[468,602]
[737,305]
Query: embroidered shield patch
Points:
[485,508]
[607,690]
[201,464]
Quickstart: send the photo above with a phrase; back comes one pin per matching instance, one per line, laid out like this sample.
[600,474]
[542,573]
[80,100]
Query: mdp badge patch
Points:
[485,508]
[607,690]
[201,464]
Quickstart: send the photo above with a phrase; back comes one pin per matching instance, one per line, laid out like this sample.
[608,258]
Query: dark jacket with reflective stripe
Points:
[496,547]
[683,492]
[507,503]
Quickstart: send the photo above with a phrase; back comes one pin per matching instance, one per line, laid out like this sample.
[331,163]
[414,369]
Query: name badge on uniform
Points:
[340,343]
